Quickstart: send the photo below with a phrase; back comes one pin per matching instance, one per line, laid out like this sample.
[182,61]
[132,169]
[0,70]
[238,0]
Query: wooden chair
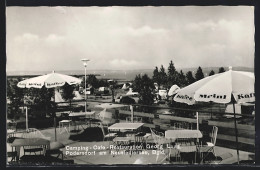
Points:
[55,149]
[208,147]
[12,125]
[161,141]
[11,131]
[13,155]
[108,136]
[135,119]
[185,147]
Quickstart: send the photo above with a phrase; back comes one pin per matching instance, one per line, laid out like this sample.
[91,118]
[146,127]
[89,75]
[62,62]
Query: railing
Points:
[162,117]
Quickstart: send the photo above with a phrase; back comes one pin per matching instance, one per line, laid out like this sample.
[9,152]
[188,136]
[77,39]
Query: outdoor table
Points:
[187,134]
[79,115]
[63,124]
[125,126]
[184,134]
[18,143]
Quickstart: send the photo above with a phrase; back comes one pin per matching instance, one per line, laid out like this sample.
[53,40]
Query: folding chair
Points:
[209,146]
[161,142]
[108,136]
[13,155]
[55,149]
[185,146]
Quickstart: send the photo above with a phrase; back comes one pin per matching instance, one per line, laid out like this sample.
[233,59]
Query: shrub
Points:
[127,100]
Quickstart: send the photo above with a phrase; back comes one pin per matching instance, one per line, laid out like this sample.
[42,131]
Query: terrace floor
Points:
[103,156]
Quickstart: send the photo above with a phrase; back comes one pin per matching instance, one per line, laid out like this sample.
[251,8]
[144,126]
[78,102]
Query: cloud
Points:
[54,39]
[200,26]
[145,30]
[27,38]
[129,37]
[122,63]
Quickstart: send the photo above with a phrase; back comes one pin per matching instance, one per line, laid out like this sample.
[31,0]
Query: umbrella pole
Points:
[132,113]
[55,133]
[55,127]
[197,117]
[26,115]
[235,122]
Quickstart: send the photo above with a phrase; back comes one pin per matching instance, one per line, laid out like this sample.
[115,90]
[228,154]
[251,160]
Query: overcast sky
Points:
[56,38]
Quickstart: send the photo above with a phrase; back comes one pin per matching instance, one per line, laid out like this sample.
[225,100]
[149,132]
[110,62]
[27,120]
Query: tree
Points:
[172,75]
[211,73]
[127,100]
[137,84]
[102,83]
[144,86]
[189,77]
[221,70]
[182,79]
[199,74]
[67,93]
[112,86]
[162,76]
[156,77]
[91,80]
[16,98]
[38,99]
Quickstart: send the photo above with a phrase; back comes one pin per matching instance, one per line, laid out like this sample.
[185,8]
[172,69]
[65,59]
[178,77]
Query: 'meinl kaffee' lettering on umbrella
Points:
[215,96]
[54,84]
[242,96]
[184,97]
[35,84]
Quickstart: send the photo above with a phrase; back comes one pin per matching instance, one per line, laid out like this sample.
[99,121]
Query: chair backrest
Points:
[158,137]
[214,134]
[138,119]
[139,139]
[11,125]
[182,125]
[135,119]
[128,119]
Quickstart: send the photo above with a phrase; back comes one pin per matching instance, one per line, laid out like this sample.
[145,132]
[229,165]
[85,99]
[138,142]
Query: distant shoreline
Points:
[118,74]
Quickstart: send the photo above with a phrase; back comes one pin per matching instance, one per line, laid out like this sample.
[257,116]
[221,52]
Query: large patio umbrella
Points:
[51,80]
[228,87]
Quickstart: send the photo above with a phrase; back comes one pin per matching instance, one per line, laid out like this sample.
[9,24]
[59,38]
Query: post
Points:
[85,65]
[132,113]
[55,133]
[197,117]
[235,122]
[26,115]
[85,88]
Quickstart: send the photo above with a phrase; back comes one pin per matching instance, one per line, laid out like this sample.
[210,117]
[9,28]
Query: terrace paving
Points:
[108,159]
